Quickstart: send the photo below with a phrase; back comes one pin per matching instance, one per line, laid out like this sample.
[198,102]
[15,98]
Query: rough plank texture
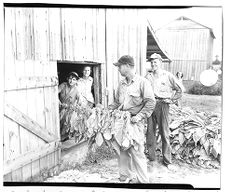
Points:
[25,121]
[26,172]
[27,158]
[189,48]
[35,170]
[12,148]
[24,83]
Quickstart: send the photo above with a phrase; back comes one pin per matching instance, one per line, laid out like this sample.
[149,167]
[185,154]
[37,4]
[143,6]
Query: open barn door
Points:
[31,119]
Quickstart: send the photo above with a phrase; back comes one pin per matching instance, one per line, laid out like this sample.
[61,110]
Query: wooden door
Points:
[31,119]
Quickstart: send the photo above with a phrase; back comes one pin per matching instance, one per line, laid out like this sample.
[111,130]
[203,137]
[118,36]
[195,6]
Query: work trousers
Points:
[159,117]
[133,163]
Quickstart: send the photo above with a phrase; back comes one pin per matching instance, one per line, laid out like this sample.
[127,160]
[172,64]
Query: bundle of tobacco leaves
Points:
[101,125]
[74,119]
[114,128]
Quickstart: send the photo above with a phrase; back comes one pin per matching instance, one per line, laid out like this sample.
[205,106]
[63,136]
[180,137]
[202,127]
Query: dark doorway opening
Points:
[65,67]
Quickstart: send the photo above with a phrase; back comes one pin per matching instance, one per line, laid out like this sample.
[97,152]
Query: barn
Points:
[44,44]
[189,45]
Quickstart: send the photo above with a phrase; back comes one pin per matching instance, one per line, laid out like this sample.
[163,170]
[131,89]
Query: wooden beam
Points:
[96,82]
[78,62]
[32,83]
[30,156]
[26,122]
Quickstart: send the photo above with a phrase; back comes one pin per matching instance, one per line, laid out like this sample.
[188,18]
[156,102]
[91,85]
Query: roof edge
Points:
[181,17]
[157,41]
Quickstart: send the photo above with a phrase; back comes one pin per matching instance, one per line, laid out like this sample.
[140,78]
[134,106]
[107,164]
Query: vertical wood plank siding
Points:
[82,37]
[126,34]
[27,65]
[190,50]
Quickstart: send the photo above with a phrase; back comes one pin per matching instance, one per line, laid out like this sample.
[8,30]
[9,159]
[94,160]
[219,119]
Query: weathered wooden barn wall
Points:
[31,119]
[35,39]
[83,34]
[31,129]
[189,45]
[58,34]
[126,33]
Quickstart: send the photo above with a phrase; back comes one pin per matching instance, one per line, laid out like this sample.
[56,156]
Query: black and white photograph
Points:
[120,96]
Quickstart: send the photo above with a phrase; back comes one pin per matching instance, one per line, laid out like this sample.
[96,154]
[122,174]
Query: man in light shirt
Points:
[135,95]
[167,91]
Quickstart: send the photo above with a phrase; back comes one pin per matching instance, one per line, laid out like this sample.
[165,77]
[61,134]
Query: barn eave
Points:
[153,44]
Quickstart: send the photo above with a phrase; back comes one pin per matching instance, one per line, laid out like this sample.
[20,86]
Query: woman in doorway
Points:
[85,86]
[68,96]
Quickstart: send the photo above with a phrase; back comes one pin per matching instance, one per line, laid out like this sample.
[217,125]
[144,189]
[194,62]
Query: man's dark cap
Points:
[126,59]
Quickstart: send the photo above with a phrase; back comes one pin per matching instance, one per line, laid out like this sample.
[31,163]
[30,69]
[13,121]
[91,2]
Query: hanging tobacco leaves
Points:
[100,125]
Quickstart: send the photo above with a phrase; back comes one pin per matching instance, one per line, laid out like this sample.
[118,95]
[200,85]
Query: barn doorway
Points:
[65,67]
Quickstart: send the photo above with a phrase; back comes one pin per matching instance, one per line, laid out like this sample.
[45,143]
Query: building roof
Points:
[216,62]
[183,23]
[153,44]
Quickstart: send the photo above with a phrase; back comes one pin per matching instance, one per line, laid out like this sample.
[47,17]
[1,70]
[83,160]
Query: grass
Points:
[206,103]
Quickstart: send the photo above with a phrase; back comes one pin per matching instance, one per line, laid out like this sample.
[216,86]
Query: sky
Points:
[209,16]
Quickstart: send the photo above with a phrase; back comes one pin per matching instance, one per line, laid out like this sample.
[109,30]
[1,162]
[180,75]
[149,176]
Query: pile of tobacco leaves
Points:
[195,136]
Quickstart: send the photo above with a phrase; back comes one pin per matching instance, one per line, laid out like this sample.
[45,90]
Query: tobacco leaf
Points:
[107,134]
[99,139]
[119,136]
[216,148]
[205,142]
[188,135]
[175,124]
[181,138]
[197,135]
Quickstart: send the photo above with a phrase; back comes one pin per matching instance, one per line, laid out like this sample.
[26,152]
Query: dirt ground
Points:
[106,171]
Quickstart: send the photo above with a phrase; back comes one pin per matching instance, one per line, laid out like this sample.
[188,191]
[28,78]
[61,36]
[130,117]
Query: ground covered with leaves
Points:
[195,140]
[195,136]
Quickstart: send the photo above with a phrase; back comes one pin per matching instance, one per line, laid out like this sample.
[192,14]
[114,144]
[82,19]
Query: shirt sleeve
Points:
[60,88]
[176,87]
[78,97]
[116,103]
[149,78]
[148,99]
